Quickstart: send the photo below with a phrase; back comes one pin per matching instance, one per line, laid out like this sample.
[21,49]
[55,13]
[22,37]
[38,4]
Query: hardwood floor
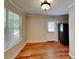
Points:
[45,50]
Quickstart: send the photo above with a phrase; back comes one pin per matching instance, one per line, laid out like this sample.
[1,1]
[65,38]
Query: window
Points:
[13,26]
[51,26]
[61,27]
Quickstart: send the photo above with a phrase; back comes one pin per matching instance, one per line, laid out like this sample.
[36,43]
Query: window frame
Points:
[53,26]
[7,29]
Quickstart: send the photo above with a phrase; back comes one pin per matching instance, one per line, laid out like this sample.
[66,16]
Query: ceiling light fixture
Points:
[45,4]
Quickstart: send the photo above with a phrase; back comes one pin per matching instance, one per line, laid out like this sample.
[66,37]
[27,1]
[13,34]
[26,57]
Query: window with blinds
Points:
[12,28]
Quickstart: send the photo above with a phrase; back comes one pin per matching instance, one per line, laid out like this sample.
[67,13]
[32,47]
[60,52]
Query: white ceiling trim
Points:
[71,5]
[17,6]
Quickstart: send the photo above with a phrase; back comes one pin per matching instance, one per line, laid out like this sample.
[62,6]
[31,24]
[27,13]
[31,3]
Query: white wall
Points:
[37,27]
[72,31]
[37,30]
[62,19]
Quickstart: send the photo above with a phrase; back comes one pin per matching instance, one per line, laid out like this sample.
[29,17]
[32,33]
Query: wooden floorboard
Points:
[44,50]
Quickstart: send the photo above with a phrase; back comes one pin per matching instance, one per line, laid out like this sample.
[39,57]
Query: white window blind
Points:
[13,25]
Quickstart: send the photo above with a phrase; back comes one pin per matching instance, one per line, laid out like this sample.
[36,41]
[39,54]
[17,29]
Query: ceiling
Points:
[58,7]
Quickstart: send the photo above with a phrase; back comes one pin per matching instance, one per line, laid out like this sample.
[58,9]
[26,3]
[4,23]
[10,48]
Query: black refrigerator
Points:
[63,33]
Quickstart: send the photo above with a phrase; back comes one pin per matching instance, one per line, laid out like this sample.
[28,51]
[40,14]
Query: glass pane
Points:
[61,27]
[51,26]
[14,20]
[10,19]
[13,34]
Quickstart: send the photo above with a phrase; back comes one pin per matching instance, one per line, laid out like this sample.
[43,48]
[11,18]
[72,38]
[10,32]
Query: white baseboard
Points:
[71,56]
[35,41]
[52,40]
[38,41]
[19,50]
